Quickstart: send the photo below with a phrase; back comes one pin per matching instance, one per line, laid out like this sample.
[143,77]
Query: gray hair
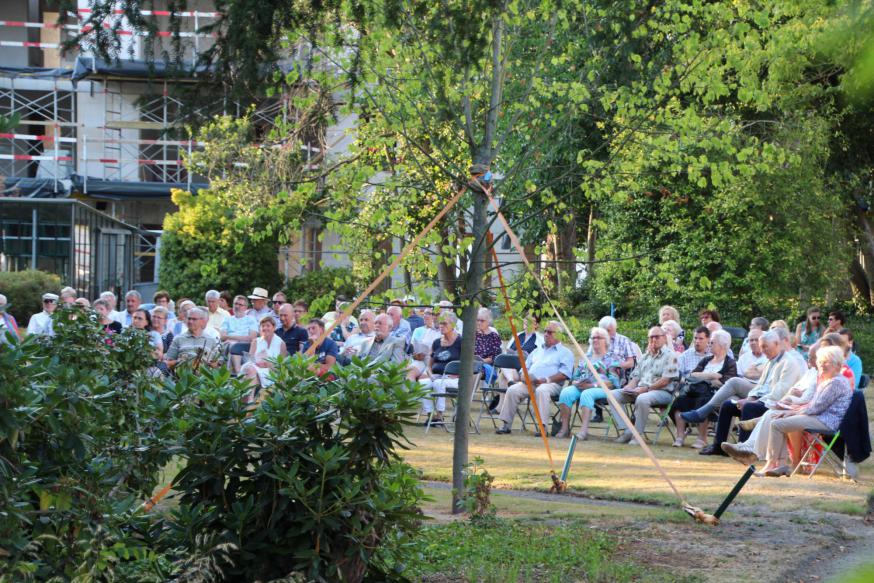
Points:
[133,294]
[160,310]
[486,313]
[599,331]
[383,318]
[363,313]
[212,295]
[722,338]
[770,336]
[3,300]
[449,317]
[607,322]
[833,354]
[782,333]
[394,310]
[196,312]
[107,294]
[760,322]
[673,326]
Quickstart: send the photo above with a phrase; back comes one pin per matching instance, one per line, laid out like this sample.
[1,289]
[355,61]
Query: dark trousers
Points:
[728,410]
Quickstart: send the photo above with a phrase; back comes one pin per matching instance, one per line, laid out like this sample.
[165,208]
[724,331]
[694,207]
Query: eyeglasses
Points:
[481,320]
[278,302]
[816,318]
[831,318]
[48,301]
[550,332]
[240,305]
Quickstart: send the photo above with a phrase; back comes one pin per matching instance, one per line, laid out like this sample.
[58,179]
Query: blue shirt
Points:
[855,364]
[293,338]
[235,326]
[327,348]
[403,330]
[546,362]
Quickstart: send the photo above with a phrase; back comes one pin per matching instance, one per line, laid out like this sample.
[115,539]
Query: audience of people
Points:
[781,384]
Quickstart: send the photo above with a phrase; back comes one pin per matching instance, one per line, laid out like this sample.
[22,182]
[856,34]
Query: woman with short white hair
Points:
[824,412]
[675,335]
[584,388]
[712,372]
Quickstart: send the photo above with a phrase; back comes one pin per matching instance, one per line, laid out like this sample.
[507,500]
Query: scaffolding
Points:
[114,134]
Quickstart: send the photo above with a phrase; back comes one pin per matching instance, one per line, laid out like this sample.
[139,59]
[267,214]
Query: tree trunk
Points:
[567,253]
[446,274]
[472,286]
[590,244]
[860,282]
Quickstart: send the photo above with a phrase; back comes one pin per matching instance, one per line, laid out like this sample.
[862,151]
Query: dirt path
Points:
[752,543]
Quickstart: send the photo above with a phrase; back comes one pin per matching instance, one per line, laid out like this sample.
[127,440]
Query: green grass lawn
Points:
[604,469]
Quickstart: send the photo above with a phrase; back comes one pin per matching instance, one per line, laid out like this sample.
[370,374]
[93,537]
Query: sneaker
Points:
[505,430]
[699,444]
[678,442]
[740,454]
[624,438]
[632,442]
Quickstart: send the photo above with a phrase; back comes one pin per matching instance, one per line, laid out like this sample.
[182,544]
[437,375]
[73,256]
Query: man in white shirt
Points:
[359,343]
[752,362]
[238,331]
[41,323]
[548,367]
[216,314]
[400,327]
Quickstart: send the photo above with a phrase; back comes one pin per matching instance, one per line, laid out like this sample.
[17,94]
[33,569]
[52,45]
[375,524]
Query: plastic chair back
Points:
[736,332]
[507,361]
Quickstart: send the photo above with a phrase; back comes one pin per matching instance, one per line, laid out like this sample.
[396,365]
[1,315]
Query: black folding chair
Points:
[505,360]
[453,369]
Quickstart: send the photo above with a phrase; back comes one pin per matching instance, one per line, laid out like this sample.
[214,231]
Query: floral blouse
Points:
[606,365]
[487,345]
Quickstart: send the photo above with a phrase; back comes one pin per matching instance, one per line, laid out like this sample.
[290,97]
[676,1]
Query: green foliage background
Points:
[24,290]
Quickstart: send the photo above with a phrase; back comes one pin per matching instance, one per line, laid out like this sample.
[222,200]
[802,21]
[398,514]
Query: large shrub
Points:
[198,253]
[24,290]
[308,483]
[227,236]
[79,425]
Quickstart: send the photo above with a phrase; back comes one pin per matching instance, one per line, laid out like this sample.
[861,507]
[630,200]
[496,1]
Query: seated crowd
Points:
[779,383]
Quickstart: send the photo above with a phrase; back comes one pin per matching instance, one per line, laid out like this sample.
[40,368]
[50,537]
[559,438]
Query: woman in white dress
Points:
[262,354]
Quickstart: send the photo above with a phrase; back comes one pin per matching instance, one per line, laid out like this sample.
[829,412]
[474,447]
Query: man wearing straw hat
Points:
[259,299]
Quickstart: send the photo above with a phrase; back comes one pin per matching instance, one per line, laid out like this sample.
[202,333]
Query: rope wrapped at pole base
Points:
[700,516]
